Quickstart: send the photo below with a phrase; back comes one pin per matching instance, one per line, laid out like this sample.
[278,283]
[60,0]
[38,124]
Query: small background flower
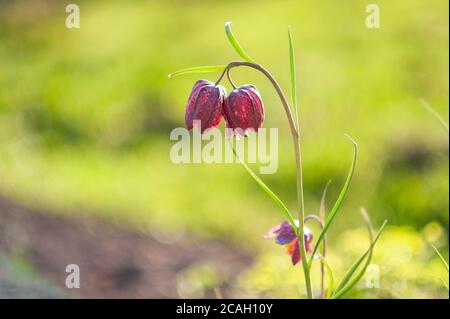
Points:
[285,235]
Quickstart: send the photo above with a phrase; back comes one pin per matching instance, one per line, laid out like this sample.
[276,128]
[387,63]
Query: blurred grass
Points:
[85,115]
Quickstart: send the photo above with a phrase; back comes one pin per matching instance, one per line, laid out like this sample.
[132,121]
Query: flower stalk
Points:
[295,132]
[242,110]
[319,220]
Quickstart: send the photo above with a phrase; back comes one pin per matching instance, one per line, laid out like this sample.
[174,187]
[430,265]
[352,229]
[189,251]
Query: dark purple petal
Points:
[243,109]
[285,234]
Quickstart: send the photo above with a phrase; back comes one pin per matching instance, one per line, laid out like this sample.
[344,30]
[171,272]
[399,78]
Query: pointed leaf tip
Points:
[338,202]
[235,44]
[351,139]
[198,69]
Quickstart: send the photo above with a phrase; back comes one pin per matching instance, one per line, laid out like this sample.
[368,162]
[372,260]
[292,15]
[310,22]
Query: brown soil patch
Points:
[115,261]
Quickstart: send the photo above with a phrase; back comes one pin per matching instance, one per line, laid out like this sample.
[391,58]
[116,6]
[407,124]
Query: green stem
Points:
[298,161]
[301,213]
[319,220]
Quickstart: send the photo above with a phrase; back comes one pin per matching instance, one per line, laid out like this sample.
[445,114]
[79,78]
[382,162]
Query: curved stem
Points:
[298,161]
[324,253]
[221,76]
[230,80]
[275,84]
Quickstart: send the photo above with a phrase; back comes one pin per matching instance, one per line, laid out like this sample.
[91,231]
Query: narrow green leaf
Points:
[346,284]
[440,257]
[339,201]
[330,278]
[235,44]
[198,69]
[362,271]
[356,264]
[293,76]
[267,190]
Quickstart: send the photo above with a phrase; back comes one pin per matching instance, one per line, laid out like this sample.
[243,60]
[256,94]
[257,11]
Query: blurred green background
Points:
[85,118]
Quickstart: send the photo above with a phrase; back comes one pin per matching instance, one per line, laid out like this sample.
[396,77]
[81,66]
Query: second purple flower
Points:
[285,235]
[243,109]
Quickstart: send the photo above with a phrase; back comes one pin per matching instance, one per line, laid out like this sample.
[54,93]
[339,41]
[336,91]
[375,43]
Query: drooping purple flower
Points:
[285,235]
[243,110]
[205,104]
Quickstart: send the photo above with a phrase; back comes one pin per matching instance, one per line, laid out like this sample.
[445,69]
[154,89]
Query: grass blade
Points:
[293,76]
[322,214]
[235,44]
[361,273]
[339,201]
[346,284]
[322,202]
[436,115]
[355,280]
[440,257]
[267,190]
[445,284]
[330,278]
[198,69]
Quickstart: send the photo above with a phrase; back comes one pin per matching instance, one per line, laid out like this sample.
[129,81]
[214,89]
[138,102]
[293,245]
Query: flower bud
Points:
[205,104]
[243,109]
